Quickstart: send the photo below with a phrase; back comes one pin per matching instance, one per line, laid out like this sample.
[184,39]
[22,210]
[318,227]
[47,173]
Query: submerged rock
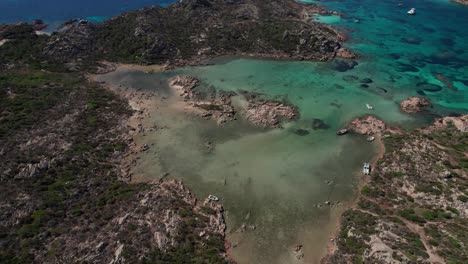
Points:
[429,87]
[403,67]
[343,65]
[301,132]
[319,124]
[411,40]
[350,78]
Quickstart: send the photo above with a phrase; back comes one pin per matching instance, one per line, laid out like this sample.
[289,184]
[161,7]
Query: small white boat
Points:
[366,169]
[370,107]
[412,11]
[213,198]
[370,138]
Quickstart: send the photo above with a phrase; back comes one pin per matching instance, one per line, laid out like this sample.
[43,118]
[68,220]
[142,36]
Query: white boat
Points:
[370,138]
[366,169]
[412,11]
[213,198]
[370,107]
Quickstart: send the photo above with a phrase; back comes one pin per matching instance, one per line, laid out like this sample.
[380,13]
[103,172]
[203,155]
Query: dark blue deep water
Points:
[60,10]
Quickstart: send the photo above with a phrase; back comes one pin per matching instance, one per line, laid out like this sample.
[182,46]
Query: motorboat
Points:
[342,132]
[370,107]
[366,169]
[412,11]
[213,198]
[370,138]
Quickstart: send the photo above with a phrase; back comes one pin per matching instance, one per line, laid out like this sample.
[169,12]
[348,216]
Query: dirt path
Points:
[433,257]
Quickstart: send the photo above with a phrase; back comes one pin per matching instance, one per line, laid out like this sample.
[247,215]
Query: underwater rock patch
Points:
[301,132]
[343,65]
[447,42]
[319,124]
[404,67]
[350,78]
[420,92]
[395,56]
[411,40]
[429,87]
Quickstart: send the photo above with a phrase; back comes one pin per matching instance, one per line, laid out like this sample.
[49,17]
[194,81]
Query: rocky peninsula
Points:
[413,206]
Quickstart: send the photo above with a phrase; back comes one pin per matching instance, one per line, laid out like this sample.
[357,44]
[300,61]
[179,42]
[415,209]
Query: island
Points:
[66,143]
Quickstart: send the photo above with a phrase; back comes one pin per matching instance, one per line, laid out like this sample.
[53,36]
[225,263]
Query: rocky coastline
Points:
[210,29]
[411,208]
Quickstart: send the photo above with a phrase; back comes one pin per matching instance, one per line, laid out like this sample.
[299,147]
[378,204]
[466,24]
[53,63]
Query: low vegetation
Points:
[414,204]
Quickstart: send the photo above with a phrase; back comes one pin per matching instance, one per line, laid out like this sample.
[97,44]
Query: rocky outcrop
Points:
[461,2]
[77,42]
[279,29]
[270,113]
[461,122]
[367,125]
[218,105]
[157,217]
[39,25]
[414,104]
[184,86]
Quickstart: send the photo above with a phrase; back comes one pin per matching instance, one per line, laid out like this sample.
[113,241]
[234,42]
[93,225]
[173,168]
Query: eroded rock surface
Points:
[367,125]
[219,106]
[414,104]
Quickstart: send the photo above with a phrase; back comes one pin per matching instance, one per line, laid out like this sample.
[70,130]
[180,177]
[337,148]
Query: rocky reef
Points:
[190,30]
[414,104]
[367,125]
[219,106]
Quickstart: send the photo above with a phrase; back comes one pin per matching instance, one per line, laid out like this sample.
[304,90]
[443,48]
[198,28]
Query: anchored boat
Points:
[370,107]
[213,198]
[412,11]
[366,169]
[342,132]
